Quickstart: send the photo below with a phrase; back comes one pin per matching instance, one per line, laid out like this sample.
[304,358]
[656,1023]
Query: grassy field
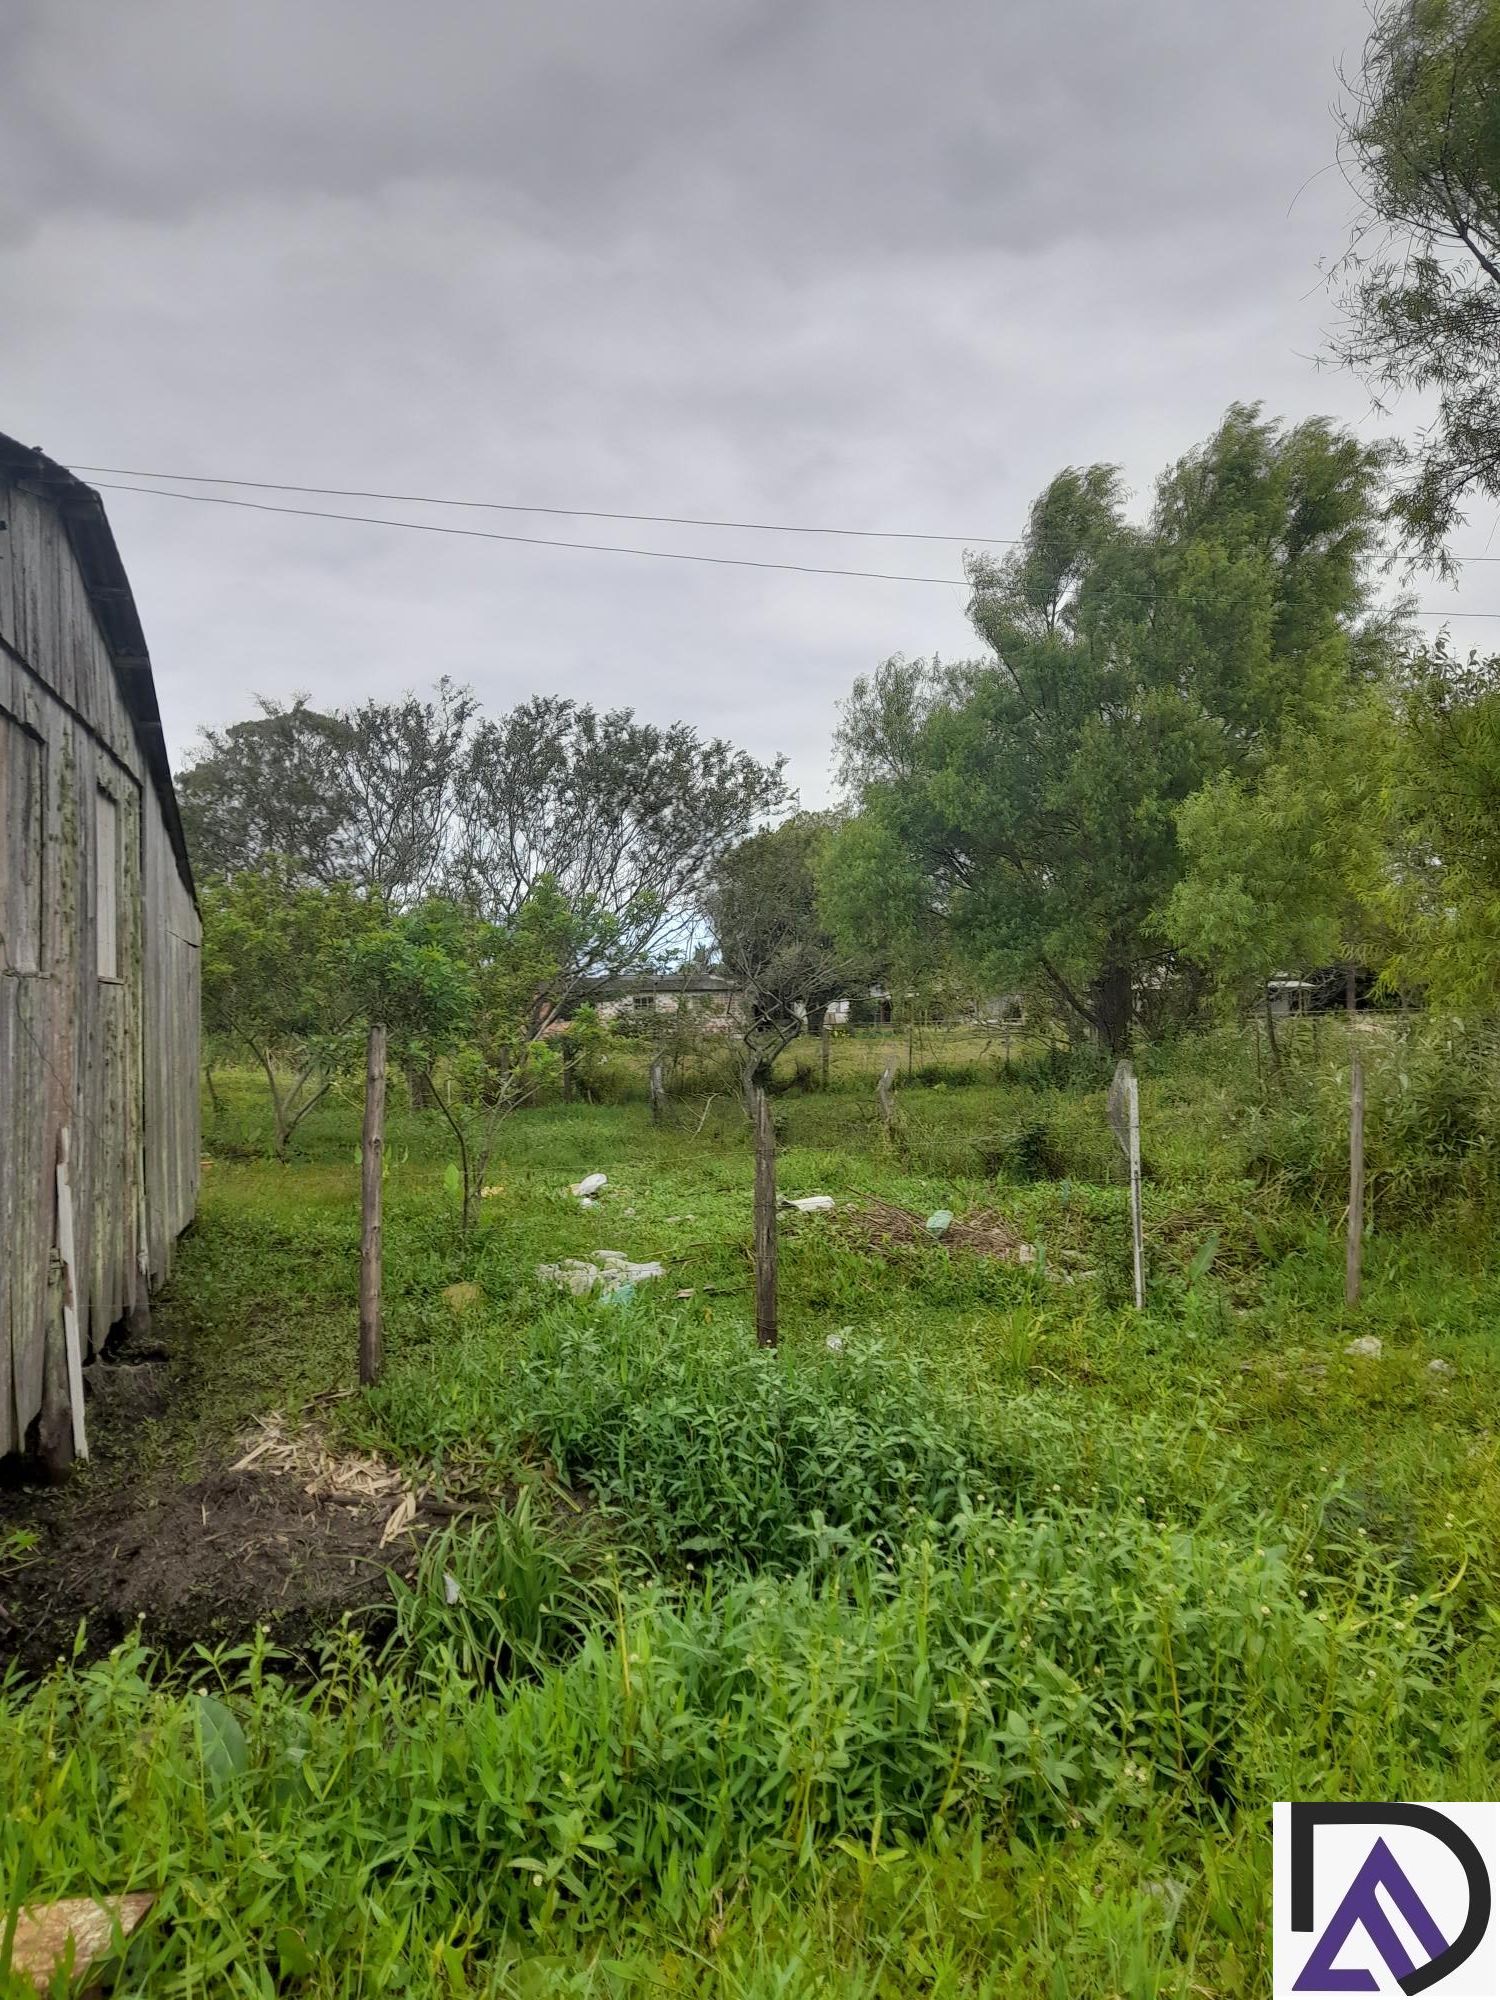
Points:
[958,1647]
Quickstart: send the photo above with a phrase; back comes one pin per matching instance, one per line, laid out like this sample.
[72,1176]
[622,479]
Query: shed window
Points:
[21,847]
[644,1003]
[107,892]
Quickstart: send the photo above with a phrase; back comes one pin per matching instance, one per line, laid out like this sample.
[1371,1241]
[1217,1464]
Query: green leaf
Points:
[221,1741]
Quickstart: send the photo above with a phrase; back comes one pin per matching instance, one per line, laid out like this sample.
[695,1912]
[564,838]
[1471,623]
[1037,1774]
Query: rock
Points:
[587,1201]
[834,1343]
[940,1221]
[1438,1366]
[610,1257]
[809,1204]
[70,1935]
[1368,1345]
[590,1184]
[461,1298]
[1025,1253]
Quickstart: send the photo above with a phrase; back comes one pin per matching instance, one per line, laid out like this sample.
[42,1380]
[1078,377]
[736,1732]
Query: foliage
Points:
[770,934]
[1287,872]
[1422,294]
[277,956]
[364,796]
[963,1653]
[1445,896]
[1026,804]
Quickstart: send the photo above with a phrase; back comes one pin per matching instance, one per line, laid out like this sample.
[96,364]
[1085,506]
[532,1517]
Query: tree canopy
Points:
[1026,803]
[1421,145]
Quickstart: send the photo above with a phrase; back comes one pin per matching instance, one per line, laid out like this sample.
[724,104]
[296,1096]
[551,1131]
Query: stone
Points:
[1368,1345]
[590,1184]
[1438,1366]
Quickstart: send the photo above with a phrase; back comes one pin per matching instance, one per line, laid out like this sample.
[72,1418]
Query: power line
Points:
[603,514]
[572,513]
[531,541]
[605,548]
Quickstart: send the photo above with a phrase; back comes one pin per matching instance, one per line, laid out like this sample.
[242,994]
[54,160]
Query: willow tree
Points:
[1023,805]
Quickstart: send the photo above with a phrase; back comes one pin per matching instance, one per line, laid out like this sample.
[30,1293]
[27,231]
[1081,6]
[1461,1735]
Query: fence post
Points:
[825,1039]
[372,1166]
[1354,1243]
[885,1097]
[766,1332]
[1124,1111]
[657,1091]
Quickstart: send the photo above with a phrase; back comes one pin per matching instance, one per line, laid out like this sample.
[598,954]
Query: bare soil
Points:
[880,1225]
[202,1561]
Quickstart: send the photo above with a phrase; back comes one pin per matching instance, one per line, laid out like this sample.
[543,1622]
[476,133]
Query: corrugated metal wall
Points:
[114,1058]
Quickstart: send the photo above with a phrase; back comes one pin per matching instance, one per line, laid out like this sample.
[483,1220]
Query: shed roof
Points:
[82,513]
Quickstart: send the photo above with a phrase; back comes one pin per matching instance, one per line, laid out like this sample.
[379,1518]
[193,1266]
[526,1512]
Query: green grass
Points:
[958,1647]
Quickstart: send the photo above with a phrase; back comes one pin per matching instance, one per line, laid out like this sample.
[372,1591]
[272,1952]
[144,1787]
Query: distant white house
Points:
[698,991]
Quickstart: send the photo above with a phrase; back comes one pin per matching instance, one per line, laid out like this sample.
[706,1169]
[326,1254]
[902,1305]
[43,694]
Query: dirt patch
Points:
[880,1225]
[293,1536]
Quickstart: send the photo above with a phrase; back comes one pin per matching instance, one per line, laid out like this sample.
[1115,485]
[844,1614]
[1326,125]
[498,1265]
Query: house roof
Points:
[82,513]
[666,982]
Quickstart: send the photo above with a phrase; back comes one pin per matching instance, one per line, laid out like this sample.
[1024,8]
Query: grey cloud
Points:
[868,264]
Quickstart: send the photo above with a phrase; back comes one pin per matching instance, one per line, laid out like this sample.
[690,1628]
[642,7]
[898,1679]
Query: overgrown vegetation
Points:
[957,1646]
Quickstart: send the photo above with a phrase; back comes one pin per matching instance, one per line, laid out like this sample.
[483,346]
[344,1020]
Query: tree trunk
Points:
[766,1332]
[1112,998]
[1271,1037]
[371,1175]
[419,1091]
[1351,991]
[824,1041]
[567,1069]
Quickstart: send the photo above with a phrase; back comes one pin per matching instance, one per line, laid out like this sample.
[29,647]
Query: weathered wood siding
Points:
[114,1058]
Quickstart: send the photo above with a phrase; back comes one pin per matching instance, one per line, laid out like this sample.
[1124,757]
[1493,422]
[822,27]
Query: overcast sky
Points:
[863,263]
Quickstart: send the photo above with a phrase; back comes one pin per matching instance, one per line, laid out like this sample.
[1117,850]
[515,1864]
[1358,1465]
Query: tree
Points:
[625,819]
[1421,144]
[1024,805]
[276,980]
[764,913]
[472,1013]
[769,930]
[1444,893]
[365,796]
[1288,872]
[407,800]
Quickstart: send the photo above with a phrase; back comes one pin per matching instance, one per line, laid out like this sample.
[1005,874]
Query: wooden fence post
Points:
[657,1090]
[372,1167]
[825,1039]
[766,1331]
[1354,1243]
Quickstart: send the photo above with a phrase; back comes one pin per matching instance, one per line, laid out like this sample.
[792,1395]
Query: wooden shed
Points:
[99,958]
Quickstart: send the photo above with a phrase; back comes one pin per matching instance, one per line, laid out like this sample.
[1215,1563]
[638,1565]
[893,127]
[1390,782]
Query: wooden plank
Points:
[71,1336]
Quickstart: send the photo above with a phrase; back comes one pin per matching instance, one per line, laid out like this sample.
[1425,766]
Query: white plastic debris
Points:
[809,1204]
[608,1272]
[834,1343]
[1368,1344]
[451,1591]
[940,1221]
[587,1201]
[590,1184]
